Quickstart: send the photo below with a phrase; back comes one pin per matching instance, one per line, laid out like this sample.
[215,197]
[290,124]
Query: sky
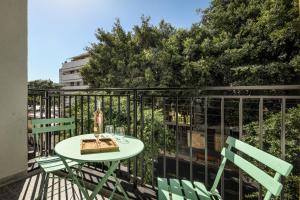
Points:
[60,29]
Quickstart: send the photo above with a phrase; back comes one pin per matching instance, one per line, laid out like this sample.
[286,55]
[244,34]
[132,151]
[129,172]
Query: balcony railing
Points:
[184,129]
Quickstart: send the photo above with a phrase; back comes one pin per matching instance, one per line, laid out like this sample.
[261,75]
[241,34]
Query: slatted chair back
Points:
[272,184]
[42,127]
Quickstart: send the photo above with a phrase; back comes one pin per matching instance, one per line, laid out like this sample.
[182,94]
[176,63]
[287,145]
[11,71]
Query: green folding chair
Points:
[184,189]
[46,130]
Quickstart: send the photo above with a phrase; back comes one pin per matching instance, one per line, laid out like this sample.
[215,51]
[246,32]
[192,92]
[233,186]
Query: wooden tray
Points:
[104,145]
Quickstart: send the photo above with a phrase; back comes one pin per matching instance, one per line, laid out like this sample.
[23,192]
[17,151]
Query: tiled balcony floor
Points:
[28,189]
[60,189]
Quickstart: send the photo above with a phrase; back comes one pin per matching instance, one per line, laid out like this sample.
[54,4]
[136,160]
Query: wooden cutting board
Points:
[103,145]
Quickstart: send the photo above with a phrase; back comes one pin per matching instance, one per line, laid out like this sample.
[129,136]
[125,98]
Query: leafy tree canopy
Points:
[237,42]
[43,84]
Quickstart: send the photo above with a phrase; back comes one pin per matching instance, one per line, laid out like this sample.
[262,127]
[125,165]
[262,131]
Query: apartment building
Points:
[69,73]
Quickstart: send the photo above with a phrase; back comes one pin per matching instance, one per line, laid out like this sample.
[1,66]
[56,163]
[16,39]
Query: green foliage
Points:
[236,42]
[271,143]
[43,84]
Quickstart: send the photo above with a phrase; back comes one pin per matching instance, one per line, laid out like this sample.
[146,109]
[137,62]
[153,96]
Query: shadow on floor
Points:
[57,188]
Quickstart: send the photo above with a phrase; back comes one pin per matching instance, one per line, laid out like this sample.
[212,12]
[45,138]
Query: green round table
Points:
[70,149]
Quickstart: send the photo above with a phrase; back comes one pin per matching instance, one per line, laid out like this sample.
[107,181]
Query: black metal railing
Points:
[184,129]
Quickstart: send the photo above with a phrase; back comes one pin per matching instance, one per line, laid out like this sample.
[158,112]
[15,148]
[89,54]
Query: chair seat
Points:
[54,163]
[180,189]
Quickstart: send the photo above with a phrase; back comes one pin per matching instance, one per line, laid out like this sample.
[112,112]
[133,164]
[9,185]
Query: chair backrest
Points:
[272,184]
[40,128]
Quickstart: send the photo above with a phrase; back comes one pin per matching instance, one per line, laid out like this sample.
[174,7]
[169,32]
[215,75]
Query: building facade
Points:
[69,73]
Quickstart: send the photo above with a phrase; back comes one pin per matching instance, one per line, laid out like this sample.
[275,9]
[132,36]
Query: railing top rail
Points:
[208,88]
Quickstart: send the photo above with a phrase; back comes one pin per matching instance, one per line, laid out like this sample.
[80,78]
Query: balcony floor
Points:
[59,188]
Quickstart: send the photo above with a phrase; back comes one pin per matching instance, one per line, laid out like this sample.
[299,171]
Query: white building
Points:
[69,75]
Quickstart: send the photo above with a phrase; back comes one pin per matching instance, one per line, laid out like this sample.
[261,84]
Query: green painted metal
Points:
[269,160]
[52,120]
[272,184]
[202,191]
[70,149]
[189,190]
[53,163]
[163,189]
[219,173]
[259,175]
[53,128]
[269,194]
[40,126]
[175,188]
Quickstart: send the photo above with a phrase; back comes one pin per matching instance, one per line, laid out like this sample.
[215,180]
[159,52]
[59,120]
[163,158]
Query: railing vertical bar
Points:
[49,134]
[88,114]
[191,139]
[76,132]
[152,139]
[81,114]
[34,106]
[110,109]
[128,127]
[59,115]
[42,106]
[34,116]
[119,105]
[59,106]
[64,111]
[103,109]
[95,103]
[119,114]
[205,136]
[135,102]
[177,137]
[260,135]
[165,128]
[240,136]
[142,136]
[70,106]
[222,141]
[282,138]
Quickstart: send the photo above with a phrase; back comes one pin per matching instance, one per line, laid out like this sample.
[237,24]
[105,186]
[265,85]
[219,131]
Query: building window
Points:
[78,83]
[72,83]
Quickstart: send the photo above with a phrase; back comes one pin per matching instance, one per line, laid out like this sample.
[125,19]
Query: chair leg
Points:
[43,186]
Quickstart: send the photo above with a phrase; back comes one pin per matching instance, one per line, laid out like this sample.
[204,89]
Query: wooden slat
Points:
[269,160]
[175,188]
[189,190]
[263,178]
[53,128]
[163,189]
[202,191]
[52,120]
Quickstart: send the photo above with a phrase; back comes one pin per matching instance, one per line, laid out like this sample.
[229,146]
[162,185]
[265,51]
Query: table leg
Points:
[74,177]
[119,186]
[99,186]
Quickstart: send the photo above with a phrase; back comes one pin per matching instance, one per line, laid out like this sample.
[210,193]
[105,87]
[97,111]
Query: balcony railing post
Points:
[222,142]
[205,139]
[260,135]
[135,116]
[282,138]
[240,137]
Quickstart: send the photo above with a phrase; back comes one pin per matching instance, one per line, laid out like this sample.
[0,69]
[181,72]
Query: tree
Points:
[43,84]
[252,42]
[271,144]
[237,42]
